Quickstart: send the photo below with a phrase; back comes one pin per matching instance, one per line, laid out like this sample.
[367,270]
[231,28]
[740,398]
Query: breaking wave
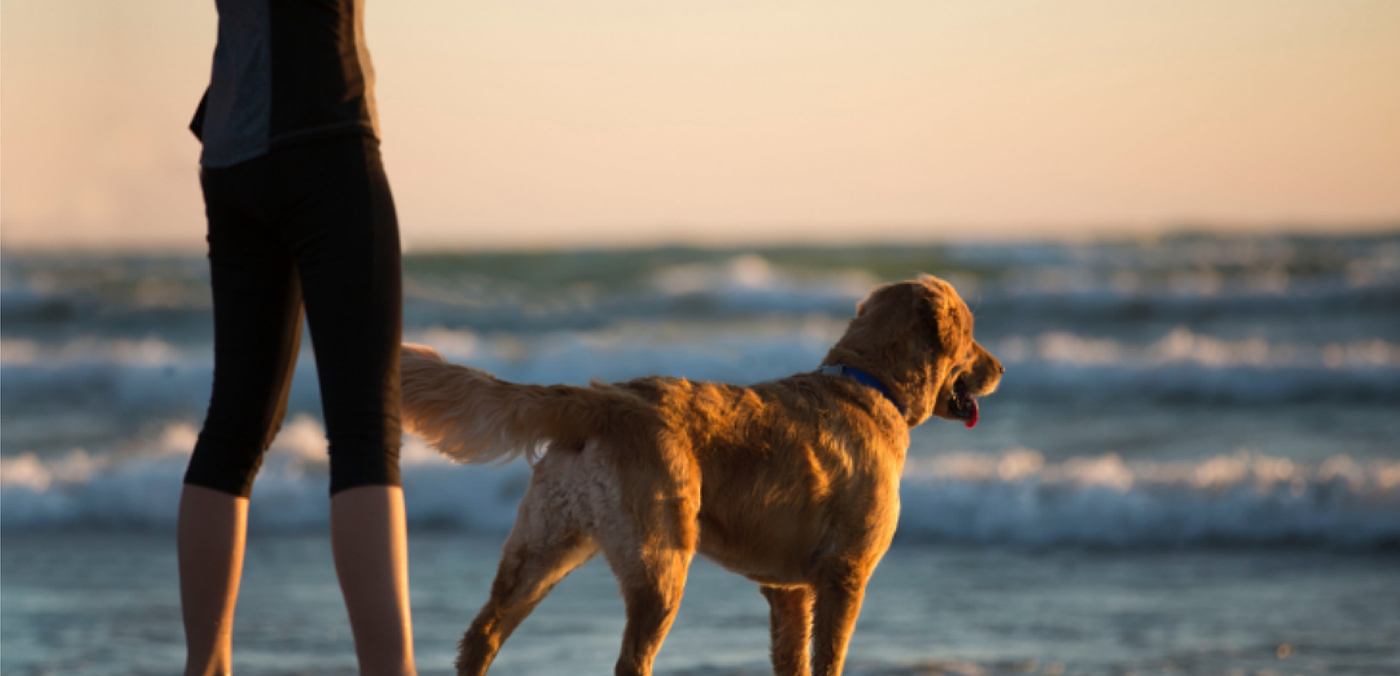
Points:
[150,375]
[1243,499]
[1010,499]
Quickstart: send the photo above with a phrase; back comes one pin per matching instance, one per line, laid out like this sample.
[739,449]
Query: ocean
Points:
[1192,466]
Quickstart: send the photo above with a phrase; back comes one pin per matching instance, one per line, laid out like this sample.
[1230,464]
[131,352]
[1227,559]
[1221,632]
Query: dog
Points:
[792,483]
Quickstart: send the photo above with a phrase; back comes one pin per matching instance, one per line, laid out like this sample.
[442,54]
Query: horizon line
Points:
[821,238]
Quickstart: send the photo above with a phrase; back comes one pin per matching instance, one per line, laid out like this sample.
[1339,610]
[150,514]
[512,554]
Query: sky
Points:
[510,124]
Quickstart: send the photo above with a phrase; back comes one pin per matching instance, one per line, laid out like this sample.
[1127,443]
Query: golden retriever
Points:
[792,483]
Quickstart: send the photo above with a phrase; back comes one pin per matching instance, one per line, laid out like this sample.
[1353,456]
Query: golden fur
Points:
[793,483]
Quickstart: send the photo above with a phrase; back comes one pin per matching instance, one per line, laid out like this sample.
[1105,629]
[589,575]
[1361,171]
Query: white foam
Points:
[1014,498]
[149,351]
[749,279]
[140,380]
[1242,499]
[1183,346]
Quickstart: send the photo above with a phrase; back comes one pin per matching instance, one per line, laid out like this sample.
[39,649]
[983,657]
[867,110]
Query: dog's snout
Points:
[1001,368]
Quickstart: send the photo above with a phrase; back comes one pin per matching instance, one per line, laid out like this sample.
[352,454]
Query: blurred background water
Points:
[1191,467]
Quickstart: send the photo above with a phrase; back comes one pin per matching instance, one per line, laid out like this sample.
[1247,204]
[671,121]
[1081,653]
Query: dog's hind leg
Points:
[534,560]
[790,621]
[649,546]
[652,579]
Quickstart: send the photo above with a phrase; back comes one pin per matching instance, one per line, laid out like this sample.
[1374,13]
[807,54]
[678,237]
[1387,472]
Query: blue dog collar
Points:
[861,377]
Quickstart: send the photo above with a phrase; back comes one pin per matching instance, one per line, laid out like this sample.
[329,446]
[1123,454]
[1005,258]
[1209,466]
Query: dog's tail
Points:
[474,417]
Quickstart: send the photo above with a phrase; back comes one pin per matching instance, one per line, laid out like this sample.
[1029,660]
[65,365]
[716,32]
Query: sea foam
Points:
[1014,498]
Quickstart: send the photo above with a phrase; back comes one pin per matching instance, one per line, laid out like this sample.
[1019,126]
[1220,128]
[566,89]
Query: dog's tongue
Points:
[971,422]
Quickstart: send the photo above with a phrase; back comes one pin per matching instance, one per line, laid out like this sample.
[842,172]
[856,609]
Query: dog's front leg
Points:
[839,590]
[790,621]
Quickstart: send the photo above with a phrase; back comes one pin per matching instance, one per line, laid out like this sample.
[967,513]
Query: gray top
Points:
[285,71]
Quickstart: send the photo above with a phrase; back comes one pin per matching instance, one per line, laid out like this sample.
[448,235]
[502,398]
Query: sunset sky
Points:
[539,123]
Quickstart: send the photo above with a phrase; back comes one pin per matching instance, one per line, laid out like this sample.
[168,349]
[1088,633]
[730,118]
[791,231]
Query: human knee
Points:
[228,467]
[372,464]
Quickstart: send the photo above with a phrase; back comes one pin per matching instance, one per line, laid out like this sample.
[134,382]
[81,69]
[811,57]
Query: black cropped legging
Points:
[310,224]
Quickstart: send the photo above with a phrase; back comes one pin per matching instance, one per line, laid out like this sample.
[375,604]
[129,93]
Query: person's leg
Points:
[346,239]
[370,542]
[210,542]
[257,328]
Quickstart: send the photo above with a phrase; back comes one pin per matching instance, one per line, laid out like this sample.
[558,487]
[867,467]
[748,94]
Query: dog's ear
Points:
[945,314]
[885,302]
[908,318]
[888,297]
